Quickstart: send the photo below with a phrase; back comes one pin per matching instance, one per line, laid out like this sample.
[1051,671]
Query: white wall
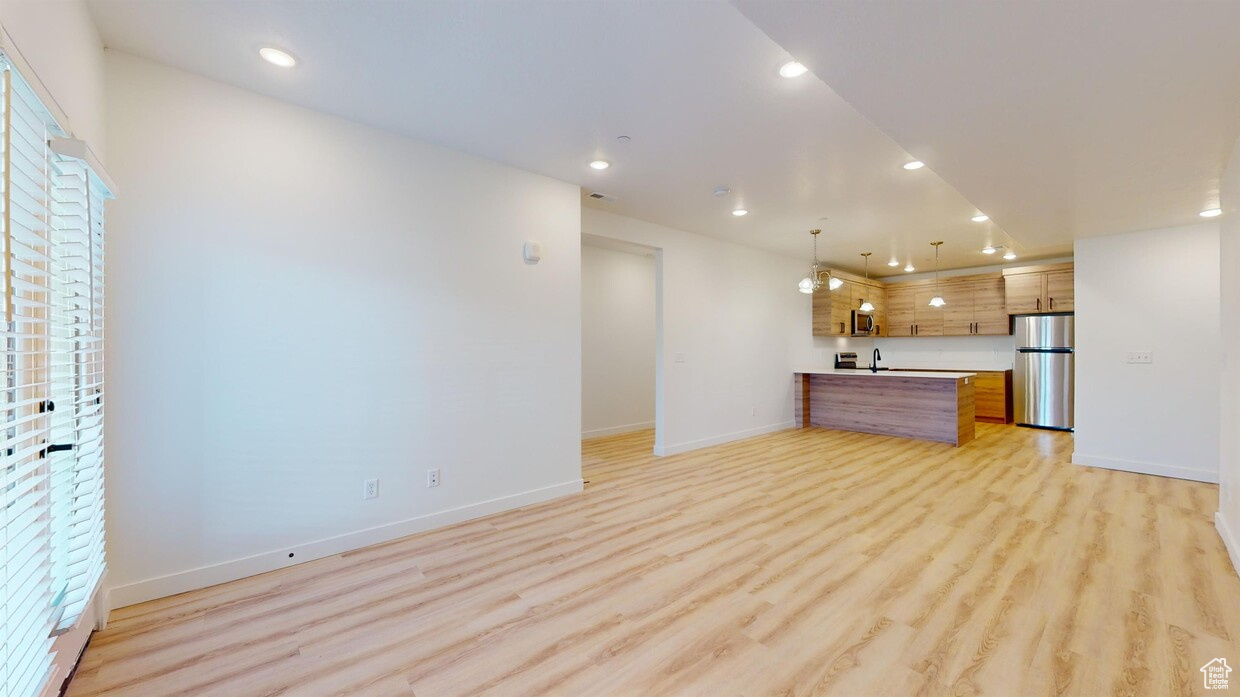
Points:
[617,341]
[735,317]
[297,303]
[59,40]
[1156,290]
[1228,519]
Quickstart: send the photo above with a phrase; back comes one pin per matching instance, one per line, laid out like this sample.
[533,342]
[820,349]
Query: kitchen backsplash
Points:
[963,352]
[947,352]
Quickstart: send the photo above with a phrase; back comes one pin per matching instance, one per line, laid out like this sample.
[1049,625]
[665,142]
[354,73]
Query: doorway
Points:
[619,337]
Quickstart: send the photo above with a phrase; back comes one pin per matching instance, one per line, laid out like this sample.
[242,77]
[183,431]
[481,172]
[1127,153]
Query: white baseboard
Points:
[725,438]
[616,430]
[1196,475]
[193,579]
[1229,540]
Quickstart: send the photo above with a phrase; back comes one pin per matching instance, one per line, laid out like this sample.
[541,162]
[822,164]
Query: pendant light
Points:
[937,300]
[866,305]
[813,281]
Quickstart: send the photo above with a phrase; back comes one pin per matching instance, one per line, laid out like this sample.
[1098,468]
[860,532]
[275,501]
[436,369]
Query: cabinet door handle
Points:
[1052,303]
[1039,304]
[842,328]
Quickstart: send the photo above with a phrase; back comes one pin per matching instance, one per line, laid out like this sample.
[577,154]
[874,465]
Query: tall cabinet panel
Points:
[1060,291]
[901,319]
[928,321]
[1024,293]
[989,313]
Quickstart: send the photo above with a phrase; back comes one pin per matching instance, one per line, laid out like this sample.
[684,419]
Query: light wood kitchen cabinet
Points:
[927,321]
[831,311]
[859,293]
[909,312]
[1060,291]
[824,313]
[833,308]
[992,396]
[990,317]
[1034,290]
[1024,293]
[975,308]
[958,313]
[901,317]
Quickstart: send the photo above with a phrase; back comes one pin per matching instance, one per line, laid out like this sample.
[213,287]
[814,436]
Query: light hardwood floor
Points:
[802,562]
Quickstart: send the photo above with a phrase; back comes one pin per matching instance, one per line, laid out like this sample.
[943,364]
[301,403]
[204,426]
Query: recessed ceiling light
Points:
[792,69]
[1010,255]
[1212,213]
[600,164]
[915,164]
[893,262]
[909,268]
[980,218]
[988,250]
[277,57]
[739,212]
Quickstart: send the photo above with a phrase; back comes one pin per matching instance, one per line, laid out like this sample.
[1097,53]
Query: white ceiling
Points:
[1060,119]
[549,85]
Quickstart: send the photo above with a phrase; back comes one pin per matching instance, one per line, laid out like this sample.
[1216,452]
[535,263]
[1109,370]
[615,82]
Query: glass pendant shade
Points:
[834,283]
[937,301]
[806,285]
[867,306]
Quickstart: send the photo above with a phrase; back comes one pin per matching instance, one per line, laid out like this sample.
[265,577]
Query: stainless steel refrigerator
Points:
[1042,380]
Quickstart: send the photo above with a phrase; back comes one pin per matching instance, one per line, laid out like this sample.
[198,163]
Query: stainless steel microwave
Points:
[863,323]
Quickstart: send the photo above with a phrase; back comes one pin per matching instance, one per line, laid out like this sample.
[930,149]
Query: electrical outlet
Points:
[432,478]
[370,489]
[1140,356]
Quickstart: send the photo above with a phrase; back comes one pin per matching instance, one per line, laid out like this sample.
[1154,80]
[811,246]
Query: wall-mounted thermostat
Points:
[533,252]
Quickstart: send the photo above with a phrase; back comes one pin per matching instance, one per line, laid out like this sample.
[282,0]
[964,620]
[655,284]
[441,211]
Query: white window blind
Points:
[77,384]
[51,410]
[26,213]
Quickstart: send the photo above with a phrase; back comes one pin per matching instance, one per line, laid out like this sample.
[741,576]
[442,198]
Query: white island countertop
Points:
[867,373]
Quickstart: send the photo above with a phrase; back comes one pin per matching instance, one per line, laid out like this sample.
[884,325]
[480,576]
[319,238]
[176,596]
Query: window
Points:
[51,396]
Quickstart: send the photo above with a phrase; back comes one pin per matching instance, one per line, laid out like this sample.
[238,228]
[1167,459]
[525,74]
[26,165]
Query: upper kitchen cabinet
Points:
[901,317]
[989,314]
[974,306]
[1060,294]
[833,308]
[831,311]
[861,292]
[1031,290]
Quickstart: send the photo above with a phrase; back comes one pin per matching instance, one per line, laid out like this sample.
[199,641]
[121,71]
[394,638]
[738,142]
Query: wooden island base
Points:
[935,408]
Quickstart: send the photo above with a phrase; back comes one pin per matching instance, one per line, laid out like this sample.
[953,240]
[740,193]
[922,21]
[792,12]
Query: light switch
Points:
[679,358]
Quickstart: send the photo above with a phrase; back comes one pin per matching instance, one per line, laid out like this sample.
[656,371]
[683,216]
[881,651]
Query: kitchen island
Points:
[935,406]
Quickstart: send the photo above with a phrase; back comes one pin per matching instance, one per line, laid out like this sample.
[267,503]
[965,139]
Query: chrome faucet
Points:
[874,363]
